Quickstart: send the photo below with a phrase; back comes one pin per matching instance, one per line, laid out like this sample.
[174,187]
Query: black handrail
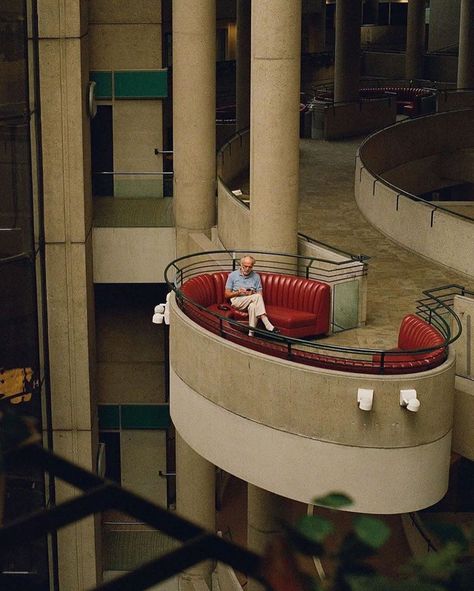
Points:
[100,494]
[398,191]
[432,308]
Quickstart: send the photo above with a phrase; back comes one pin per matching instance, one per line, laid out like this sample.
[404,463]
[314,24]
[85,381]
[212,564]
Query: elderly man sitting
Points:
[244,289]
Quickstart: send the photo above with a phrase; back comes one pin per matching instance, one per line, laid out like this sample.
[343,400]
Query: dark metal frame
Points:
[99,495]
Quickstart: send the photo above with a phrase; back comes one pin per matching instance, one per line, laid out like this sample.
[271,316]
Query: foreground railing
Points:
[434,308]
[99,495]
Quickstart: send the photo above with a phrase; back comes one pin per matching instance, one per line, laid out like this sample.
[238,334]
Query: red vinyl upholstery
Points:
[299,307]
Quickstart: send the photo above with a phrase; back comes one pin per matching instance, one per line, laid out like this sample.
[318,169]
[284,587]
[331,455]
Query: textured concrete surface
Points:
[328,212]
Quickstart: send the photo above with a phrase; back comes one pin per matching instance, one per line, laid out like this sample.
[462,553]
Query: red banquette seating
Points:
[299,307]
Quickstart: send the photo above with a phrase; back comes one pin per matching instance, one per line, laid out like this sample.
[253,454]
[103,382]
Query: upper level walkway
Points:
[328,212]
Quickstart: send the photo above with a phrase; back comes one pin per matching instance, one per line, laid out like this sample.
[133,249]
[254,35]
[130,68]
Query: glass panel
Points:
[345,305]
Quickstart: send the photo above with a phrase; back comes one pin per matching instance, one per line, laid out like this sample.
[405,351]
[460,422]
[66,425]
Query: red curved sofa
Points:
[414,333]
[299,307]
[409,98]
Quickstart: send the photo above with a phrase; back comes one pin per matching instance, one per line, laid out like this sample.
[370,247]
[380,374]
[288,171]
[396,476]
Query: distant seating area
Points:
[411,100]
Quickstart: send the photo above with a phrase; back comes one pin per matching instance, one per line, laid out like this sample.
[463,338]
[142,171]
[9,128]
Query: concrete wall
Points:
[440,236]
[383,65]
[463,435]
[444,24]
[303,433]
[126,35]
[452,100]
[350,119]
[132,255]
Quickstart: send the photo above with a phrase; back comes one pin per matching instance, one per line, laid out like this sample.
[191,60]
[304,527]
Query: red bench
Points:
[414,333]
[408,97]
[299,307]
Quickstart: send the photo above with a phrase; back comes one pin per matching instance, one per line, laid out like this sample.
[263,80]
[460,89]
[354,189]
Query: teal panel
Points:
[141,84]
[346,305]
[109,416]
[103,81]
[145,416]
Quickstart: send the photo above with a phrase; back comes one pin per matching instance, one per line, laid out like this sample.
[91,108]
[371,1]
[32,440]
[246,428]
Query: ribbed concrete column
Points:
[194,106]
[274,143]
[243,64]
[265,513]
[347,58]
[466,45]
[195,500]
[415,39]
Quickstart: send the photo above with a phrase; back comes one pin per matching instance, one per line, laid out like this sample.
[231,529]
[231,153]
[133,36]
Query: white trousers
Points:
[253,304]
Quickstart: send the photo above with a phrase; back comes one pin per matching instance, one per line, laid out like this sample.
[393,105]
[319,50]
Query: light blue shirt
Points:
[236,280]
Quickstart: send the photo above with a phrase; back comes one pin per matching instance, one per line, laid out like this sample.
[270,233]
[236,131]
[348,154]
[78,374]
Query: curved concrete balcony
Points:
[397,164]
[298,431]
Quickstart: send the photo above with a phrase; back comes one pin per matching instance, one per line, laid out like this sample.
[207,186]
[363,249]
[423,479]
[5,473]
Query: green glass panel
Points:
[346,305]
[141,84]
[103,81]
[145,416]
[109,416]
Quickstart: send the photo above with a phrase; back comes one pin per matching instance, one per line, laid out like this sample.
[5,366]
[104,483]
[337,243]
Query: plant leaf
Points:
[371,531]
[333,500]
[302,543]
[448,532]
[314,527]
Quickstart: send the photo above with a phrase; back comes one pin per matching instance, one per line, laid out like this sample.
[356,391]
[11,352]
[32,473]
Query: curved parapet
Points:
[398,163]
[298,431]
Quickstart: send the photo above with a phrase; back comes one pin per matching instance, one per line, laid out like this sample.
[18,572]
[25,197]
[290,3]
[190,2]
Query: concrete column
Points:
[347,58]
[243,64]
[194,112]
[415,39]
[64,74]
[195,500]
[264,515]
[465,77]
[274,143]
[314,24]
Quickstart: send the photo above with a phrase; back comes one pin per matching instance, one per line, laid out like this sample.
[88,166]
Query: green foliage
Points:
[333,501]
[371,531]
[451,568]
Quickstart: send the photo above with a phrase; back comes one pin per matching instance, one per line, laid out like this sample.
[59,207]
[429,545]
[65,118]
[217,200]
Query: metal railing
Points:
[399,192]
[433,308]
[99,495]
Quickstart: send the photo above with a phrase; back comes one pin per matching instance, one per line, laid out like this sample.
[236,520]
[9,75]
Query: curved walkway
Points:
[328,212]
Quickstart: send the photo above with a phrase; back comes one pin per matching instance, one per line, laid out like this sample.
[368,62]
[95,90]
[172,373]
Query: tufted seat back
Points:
[416,333]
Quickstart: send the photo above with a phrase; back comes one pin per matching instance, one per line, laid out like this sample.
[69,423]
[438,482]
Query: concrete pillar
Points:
[415,47]
[195,500]
[265,513]
[194,112]
[465,77]
[347,57]
[314,24]
[274,143]
[64,74]
[243,64]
